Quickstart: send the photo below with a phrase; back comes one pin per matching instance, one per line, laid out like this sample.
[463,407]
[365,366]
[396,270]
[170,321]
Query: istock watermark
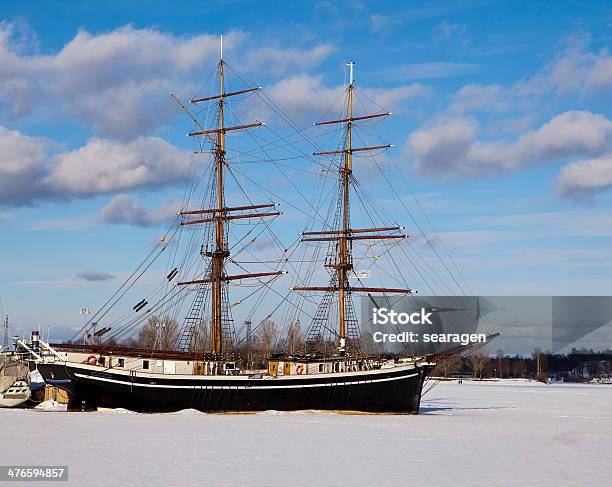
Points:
[413,337]
[386,316]
[424,325]
[382,316]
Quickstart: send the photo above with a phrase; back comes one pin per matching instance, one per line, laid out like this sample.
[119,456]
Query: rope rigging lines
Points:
[277,165]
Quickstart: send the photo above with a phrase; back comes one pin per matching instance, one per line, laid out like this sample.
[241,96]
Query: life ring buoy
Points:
[300,369]
[92,360]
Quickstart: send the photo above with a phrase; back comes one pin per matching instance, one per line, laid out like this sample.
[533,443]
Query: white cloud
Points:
[22,165]
[578,69]
[305,97]
[574,70]
[511,125]
[454,143]
[113,81]
[600,76]
[302,95]
[585,179]
[109,58]
[391,98]
[277,60]
[124,210]
[106,166]
[472,96]
[451,148]
[28,174]
[117,82]
[437,150]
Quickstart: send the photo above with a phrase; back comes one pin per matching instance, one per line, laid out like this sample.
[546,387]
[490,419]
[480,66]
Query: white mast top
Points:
[221,46]
[351,65]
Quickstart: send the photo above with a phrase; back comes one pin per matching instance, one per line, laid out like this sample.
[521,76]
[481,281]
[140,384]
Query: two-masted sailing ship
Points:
[337,373]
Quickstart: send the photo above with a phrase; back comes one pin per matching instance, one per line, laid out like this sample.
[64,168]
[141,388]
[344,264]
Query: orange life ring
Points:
[300,369]
[92,360]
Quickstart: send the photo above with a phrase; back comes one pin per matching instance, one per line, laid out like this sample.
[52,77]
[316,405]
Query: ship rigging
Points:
[150,359]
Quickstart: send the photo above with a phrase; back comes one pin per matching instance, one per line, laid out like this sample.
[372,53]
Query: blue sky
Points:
[501,125]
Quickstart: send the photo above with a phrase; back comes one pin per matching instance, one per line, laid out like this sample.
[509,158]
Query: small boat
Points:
[14,382]
[15,395]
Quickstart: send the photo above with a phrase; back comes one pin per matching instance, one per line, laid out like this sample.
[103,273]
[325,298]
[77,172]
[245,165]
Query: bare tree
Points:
[201,340]
[500,362]
[541,365]
[448,365]
[519,367]
[295,338]
[159,333]
[477,363]
[267,336]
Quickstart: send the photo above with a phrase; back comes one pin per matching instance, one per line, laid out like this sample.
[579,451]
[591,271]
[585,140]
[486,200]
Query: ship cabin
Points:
[148,361]
[283,365]
[192,363]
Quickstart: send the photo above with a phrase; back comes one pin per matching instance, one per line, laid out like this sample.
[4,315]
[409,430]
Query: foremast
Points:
[345,235]
[221,215]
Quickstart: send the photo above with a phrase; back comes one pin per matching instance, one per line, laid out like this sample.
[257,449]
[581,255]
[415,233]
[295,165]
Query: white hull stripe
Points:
[196,387]
[148,375]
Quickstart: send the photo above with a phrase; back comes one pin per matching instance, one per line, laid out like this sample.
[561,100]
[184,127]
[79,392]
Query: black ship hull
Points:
[394,390]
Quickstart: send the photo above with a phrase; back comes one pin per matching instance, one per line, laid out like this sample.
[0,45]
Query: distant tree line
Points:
[576,366]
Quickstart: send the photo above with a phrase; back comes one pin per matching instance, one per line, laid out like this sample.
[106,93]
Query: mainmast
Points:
[345,264]
[221,251]
[345,235]
[221,215]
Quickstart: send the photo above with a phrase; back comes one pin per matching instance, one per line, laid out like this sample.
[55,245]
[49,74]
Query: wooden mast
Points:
[345,262]
[220,214]
[220,252]
[345,235]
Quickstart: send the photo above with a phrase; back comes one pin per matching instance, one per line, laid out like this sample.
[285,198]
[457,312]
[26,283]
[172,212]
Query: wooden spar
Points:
[353,230]
[224,95]
[231,278]
[350,150]
[257,274]
[350,237]
[218,256]
[223,130]
[187,111]
[194,222]
[235,208]
[382,290]
[353,119]
[378,237]
[357,289]
[232,217]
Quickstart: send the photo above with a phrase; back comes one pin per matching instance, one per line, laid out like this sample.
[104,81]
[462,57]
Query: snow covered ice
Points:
[474,434]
